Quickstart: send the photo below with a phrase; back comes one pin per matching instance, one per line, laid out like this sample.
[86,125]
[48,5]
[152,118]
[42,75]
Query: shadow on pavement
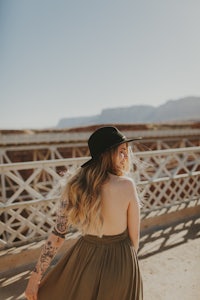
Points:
[13,283]
[158,240]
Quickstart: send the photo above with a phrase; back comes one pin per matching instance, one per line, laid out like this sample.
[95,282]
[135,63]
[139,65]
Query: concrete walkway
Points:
[169,260]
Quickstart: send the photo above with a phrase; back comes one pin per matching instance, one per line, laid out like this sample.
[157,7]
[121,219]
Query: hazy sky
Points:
[61,58]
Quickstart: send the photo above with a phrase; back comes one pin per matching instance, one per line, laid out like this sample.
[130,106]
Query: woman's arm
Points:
[134,216]
[49,250]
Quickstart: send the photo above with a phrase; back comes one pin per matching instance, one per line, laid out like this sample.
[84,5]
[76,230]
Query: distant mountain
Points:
[184,109]
[178,110]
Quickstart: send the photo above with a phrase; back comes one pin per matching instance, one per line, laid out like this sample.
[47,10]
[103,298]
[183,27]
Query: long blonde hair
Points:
[83,193]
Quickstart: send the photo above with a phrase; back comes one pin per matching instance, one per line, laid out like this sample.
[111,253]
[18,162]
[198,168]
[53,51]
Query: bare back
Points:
[120,209]
[115,204]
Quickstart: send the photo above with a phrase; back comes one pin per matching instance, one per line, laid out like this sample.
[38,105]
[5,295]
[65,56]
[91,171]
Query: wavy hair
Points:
[83,192]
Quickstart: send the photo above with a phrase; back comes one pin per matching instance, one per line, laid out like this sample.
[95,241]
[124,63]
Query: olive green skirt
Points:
[95,269]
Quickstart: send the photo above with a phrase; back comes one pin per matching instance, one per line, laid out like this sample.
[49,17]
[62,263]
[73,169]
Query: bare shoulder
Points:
[123,183]
[127,182]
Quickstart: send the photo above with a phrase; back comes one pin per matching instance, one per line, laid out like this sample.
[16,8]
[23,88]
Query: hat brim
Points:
[94,159]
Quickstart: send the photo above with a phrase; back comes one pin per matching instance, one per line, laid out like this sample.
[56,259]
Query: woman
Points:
[102,203]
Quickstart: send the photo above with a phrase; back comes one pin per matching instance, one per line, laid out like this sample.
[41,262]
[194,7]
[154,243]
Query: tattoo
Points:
[50,248]
[61,222]
[46,256]
[55,232]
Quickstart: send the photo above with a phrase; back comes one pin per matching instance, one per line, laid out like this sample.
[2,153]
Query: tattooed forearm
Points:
[54,242]
[48,252]
[47,256]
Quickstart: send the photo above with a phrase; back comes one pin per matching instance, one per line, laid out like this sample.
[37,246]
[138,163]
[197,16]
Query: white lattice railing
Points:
[170,177]
[28,201]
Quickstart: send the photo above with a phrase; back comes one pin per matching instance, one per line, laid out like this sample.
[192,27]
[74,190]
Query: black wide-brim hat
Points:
[104,139]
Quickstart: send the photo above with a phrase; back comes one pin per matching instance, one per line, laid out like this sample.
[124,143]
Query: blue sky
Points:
[74,58]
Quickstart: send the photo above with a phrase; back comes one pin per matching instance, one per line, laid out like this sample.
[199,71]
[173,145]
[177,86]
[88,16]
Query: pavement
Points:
[169,260]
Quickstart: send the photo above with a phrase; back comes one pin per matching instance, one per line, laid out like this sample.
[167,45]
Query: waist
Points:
[106,239]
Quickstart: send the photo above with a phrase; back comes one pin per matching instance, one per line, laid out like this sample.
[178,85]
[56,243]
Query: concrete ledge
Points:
[28,254]
[165,220]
